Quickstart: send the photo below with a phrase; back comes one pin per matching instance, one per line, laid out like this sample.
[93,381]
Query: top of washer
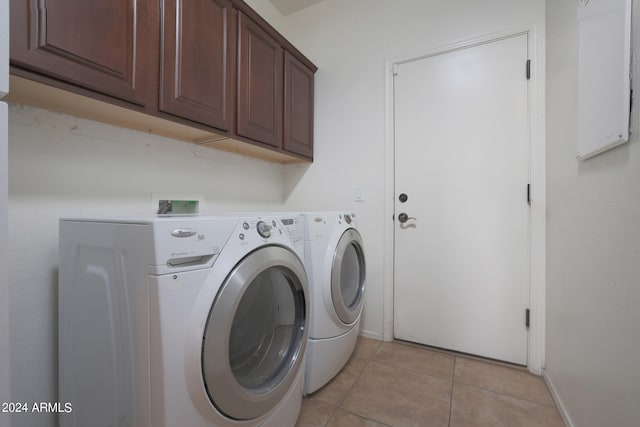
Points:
[185,242]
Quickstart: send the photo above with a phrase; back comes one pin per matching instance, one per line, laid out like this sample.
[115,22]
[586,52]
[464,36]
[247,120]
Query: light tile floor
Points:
[401,384]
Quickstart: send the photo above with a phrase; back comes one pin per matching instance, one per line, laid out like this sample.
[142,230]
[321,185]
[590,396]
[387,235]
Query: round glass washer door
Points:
[256,334]
[348,277]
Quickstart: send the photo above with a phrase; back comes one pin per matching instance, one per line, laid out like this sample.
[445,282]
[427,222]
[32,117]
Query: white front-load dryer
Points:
[335,262]
[182,321]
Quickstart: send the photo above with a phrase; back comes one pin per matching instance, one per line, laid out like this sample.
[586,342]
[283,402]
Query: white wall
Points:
[61,166]
[593,248]
[349,41]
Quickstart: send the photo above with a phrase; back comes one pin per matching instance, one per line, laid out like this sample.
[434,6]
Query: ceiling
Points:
[287,7]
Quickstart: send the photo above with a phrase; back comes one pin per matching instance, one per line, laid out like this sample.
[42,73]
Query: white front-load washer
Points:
[335,262]
[182,321]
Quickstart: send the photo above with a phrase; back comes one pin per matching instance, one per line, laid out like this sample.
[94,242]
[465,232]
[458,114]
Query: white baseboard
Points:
[556,398]
[369,334]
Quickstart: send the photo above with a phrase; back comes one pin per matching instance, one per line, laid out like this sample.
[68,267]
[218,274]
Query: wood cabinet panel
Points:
[260,84]
[298,107]
[198,61]
[106,46]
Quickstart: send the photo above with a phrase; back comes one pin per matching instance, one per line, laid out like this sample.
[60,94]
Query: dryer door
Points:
[348,277]
[256,334]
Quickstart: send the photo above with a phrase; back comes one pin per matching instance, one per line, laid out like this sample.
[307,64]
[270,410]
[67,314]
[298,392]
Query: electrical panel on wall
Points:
[604,86]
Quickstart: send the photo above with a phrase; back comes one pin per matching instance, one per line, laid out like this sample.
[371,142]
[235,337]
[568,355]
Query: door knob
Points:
[403,217]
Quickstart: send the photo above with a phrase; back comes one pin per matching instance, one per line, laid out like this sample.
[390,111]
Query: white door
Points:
[461,273]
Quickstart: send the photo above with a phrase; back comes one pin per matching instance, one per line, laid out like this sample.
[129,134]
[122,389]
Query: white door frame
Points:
[537,255]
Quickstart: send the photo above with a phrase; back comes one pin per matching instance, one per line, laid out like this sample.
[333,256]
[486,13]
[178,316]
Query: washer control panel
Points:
[293,230]
[272,229]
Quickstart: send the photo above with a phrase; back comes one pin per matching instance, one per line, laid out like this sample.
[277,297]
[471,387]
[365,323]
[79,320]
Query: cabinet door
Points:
[107,46]
[298,107]
[260,84]
[198,61]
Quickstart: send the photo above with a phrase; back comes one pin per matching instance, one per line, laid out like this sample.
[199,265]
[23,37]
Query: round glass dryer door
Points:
[348,277]
[256,334]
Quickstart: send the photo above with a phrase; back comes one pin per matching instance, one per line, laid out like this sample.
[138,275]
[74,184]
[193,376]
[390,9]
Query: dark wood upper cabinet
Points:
[298,107]
[107,46]
[198,61]
[260,84]
[214,67]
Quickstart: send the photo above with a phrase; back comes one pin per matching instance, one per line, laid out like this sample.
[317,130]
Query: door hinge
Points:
[528,69]
[529,193]
[394,69]
[527,318]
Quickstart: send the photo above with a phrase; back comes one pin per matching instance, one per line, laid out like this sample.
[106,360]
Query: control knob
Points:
[264,229]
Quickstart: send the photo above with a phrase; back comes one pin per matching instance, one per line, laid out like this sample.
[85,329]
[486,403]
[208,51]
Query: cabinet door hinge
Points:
[528,69]
[529,193]
[527,318]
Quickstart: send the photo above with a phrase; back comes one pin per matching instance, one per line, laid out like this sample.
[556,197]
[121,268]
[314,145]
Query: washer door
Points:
[348,277]
[256,334]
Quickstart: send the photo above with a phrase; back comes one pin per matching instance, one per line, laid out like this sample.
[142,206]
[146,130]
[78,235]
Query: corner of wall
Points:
[558,401]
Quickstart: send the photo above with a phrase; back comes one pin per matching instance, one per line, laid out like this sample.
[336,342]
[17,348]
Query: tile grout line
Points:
[414,371]
[466,356]
[453,382]
[508,395]
[364,418]
[364,368]
[354,382]
[339,404]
